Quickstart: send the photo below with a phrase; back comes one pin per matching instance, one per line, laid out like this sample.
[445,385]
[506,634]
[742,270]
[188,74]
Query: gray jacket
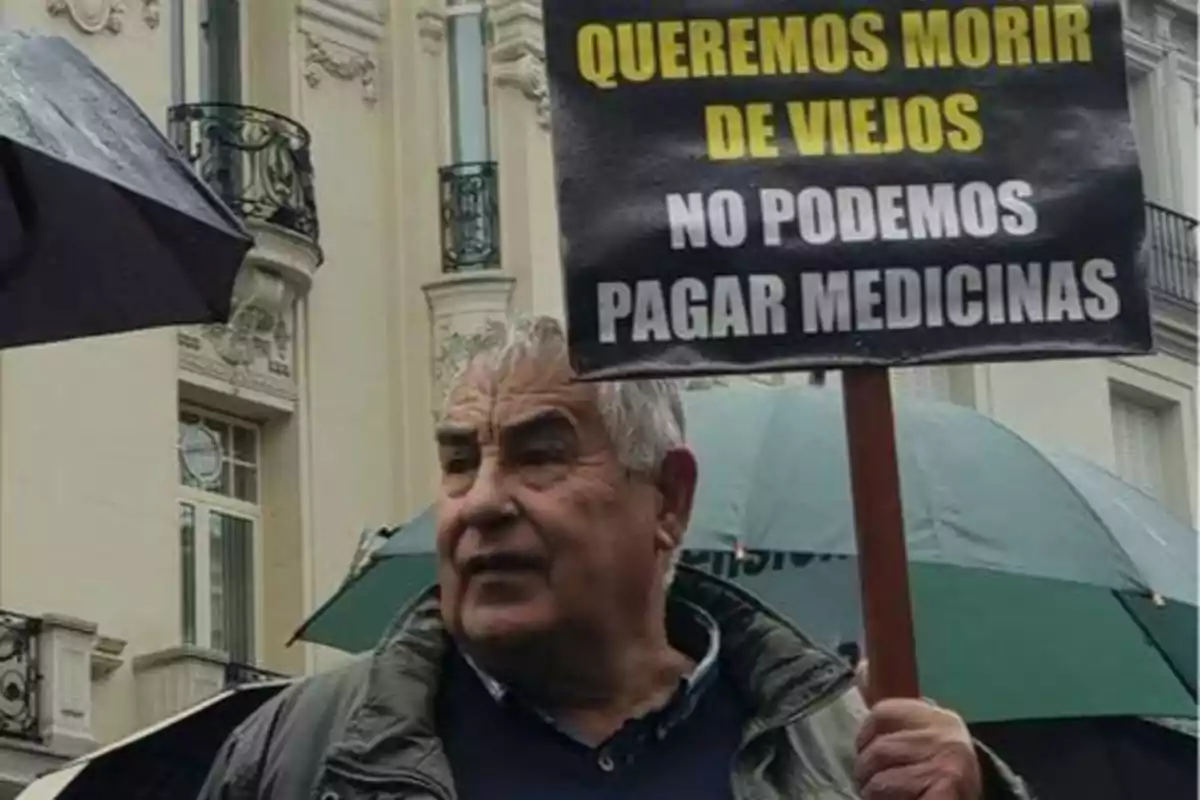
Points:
[366,731]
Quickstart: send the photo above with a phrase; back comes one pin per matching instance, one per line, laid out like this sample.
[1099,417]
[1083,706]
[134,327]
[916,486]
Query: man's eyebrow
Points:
[549,421]
[454,436]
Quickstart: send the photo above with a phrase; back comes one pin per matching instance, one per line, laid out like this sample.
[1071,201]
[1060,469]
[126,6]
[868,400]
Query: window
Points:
[206,57]
[1138,433]
[220,51]
[468,82]
[219,520]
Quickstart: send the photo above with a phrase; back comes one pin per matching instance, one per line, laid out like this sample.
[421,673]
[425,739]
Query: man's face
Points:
[540,528]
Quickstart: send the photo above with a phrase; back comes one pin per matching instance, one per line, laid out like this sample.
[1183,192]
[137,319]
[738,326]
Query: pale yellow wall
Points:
[349,395]
[87,488]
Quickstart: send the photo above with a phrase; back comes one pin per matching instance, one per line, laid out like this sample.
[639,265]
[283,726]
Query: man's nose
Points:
[488,505]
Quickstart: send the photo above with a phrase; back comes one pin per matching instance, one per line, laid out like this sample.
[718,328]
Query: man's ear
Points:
[677,488]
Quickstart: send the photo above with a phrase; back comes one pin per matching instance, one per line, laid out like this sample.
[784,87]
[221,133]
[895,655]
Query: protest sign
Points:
[757,185]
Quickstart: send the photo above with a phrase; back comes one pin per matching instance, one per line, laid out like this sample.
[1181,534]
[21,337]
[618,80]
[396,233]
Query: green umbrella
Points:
[1043,586]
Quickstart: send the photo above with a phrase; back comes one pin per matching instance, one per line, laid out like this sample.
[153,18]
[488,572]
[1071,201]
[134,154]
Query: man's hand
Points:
[913,750]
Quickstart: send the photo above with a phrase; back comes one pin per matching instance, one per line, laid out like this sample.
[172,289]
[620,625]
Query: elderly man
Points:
[562,656]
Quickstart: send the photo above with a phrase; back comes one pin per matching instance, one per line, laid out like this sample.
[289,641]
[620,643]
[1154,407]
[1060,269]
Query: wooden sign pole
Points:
[879,527]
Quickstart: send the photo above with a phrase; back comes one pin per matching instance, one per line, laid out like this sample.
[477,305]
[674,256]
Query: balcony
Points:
[19,677]
[47,666]
[171,680]
[241,674]
[257,161]
[470,208]
[1172,264]
[260,164]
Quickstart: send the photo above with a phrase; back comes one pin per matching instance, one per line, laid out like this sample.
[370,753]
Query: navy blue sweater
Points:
[504,751]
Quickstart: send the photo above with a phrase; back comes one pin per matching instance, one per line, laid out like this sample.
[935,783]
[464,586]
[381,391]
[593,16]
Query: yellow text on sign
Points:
[609,55]
[857,126]
[1005,36]
[740,47]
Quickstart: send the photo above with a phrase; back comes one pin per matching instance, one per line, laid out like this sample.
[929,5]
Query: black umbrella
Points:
[168,761]
[1105,758]
[104,228]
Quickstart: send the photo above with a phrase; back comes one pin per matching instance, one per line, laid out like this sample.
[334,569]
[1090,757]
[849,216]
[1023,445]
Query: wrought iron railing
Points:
[19,677]
[257,161]
[240,674]
[1172,239]
[470,217]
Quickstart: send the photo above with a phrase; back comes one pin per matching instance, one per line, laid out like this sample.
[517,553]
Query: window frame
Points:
[1125,405]
[189,70]
[454,12]
[204,504]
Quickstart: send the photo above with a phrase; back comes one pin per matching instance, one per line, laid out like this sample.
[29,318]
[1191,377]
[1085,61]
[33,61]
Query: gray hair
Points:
[643,418]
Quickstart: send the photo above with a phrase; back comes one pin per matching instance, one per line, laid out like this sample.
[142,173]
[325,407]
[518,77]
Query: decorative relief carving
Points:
[431,30]
[349,65]
[466,312]
[258,325]
[90,16]
[152,13]
[254,349]
[518,52]
[516,24]
[527,74]
[453,349]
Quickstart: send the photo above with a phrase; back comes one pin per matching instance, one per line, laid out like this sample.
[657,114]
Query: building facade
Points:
[174,502]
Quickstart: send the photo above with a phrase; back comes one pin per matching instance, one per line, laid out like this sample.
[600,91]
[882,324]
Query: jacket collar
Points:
[391,732]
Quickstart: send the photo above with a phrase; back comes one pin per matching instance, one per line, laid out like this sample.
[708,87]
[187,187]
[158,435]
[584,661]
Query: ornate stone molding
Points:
[527,74]
[518,52]
[321,59]
[254,349]
[463,309]
[90,16]
[516,25]
[453,349]
[152,13]
[194,360]
[259,324]
[431,30]
[254,353]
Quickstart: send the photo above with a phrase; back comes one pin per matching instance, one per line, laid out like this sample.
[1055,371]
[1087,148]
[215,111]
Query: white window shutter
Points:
[1137,438]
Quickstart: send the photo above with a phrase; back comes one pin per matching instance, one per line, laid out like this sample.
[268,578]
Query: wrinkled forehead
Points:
[489,398]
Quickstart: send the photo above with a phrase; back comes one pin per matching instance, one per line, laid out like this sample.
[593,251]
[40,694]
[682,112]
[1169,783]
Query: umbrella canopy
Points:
[1013,552]
[104,227]
[1120,758]
[167,761]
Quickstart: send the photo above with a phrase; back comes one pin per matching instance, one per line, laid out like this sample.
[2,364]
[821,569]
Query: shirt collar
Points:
[692,630]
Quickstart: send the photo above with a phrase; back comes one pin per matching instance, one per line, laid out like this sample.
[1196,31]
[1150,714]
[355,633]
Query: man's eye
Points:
[539,456]
[456,465]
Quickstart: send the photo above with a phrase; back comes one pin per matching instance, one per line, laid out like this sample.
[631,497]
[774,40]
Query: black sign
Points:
[756,185]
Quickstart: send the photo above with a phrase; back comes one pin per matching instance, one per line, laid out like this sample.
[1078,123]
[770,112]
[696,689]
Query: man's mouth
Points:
[502,564]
